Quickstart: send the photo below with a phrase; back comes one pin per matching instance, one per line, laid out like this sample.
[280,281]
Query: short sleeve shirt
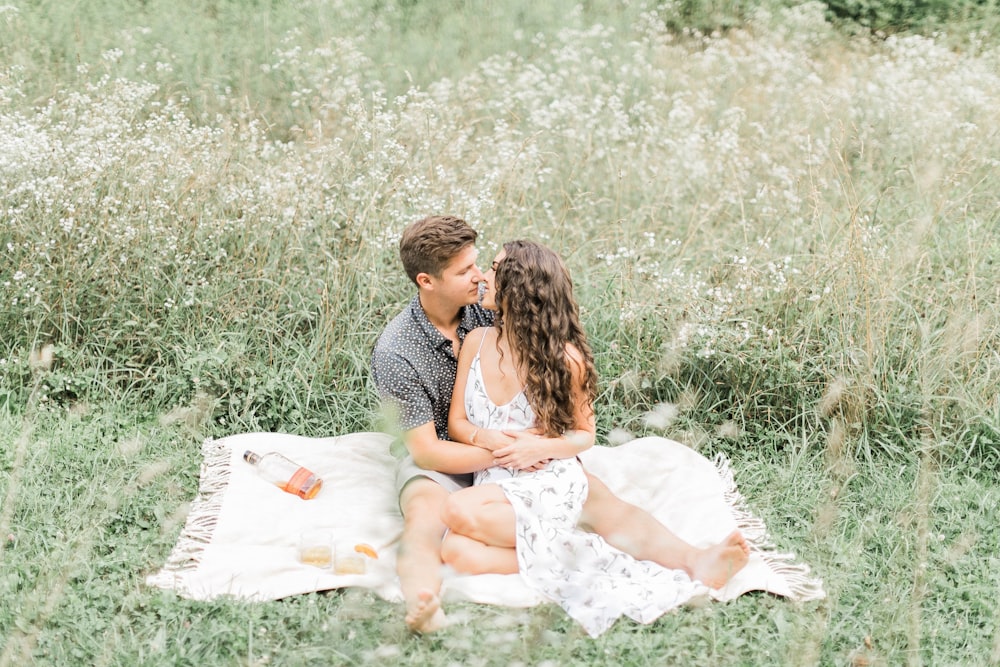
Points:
[414,365]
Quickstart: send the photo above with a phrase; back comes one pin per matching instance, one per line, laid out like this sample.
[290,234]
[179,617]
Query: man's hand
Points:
[492,439]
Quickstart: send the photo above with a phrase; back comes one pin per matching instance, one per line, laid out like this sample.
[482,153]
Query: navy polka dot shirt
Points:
[414,365]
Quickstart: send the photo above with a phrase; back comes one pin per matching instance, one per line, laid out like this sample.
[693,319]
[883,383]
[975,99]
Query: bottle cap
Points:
[250,457]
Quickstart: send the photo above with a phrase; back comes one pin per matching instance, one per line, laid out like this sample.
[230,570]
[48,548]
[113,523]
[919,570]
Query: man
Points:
[414,365]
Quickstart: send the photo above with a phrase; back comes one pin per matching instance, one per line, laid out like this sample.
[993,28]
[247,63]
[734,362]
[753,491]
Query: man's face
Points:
[458,283]
[489,296]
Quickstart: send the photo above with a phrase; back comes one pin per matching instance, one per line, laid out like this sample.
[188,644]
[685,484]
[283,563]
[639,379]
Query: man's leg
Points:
[418,562]
[637,533]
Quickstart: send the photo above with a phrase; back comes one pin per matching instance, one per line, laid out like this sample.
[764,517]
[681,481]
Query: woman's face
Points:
[489,277]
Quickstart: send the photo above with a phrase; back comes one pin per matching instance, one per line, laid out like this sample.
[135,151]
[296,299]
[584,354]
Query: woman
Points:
[534,369]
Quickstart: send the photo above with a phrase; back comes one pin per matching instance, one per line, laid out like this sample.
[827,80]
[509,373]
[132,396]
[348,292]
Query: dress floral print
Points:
[592,581]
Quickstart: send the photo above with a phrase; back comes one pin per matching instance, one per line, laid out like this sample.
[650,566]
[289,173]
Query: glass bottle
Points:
[285,473]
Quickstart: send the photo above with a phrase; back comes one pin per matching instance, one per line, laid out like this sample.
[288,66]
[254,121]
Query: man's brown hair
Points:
[428,245]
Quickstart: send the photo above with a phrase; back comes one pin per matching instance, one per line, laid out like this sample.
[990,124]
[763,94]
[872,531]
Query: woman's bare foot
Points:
[426,615]
[717,564]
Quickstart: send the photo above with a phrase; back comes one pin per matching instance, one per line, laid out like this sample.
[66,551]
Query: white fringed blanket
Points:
[241,535]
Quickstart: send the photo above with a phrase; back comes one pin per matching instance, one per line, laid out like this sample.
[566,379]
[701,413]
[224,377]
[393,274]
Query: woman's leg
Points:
[480,537]
[483,514]
[638,533]
[468,556]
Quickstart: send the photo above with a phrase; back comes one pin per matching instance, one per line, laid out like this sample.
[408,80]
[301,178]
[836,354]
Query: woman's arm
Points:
[460,429]
[529,449]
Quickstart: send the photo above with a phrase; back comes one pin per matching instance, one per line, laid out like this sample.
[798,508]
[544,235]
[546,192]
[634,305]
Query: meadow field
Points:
[785,236]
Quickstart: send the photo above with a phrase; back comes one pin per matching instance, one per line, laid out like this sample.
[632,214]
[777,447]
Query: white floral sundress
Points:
[594,582]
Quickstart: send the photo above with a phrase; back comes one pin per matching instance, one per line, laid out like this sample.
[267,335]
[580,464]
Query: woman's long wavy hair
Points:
[536,307]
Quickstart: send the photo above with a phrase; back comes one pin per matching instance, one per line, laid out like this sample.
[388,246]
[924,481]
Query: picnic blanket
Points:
[241,535]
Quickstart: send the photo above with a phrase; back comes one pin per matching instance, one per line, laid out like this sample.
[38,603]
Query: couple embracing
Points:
[494,392]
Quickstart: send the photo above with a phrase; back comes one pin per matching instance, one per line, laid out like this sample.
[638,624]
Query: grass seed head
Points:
[41,359]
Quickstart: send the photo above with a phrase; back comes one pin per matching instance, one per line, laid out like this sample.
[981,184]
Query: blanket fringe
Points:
[201,520]
[803,586]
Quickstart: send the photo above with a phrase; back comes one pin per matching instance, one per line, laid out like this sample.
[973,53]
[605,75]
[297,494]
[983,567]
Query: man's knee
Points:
[419,494]
[421,502]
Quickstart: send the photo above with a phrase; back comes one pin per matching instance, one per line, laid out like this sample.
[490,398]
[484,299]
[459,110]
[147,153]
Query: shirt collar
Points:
[467,321]
[436,338]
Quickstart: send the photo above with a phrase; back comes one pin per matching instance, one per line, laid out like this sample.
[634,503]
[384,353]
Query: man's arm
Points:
[445,456]
[400,385]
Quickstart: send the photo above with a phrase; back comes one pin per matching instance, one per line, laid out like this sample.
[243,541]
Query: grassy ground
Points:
[784,235]
[907,552]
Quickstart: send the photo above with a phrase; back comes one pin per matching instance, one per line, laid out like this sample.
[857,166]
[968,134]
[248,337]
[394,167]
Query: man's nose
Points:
[479,276]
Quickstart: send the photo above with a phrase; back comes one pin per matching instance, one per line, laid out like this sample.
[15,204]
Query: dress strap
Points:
[482,340]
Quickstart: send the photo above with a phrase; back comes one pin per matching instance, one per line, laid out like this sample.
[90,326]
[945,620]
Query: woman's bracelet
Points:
[472,438]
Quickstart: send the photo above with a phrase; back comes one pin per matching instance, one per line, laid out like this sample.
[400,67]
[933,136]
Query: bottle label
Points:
[297,484]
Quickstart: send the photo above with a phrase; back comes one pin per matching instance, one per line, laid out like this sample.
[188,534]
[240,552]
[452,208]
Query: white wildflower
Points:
[619,436]
[661,416]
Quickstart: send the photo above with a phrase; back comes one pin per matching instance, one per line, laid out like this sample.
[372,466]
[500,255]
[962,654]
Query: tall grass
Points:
[785,242]
[721,203]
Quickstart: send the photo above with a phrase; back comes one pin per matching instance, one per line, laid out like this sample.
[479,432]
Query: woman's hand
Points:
[524,453]
[530,450]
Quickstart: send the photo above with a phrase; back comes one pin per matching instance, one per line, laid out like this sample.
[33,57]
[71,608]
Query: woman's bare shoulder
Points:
[574,356]
[472,341]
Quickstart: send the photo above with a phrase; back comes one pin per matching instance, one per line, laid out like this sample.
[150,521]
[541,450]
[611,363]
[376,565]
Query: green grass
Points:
[907,552]
[785,231]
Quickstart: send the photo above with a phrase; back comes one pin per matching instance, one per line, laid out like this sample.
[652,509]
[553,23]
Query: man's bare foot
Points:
[717,564]
[426,615]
